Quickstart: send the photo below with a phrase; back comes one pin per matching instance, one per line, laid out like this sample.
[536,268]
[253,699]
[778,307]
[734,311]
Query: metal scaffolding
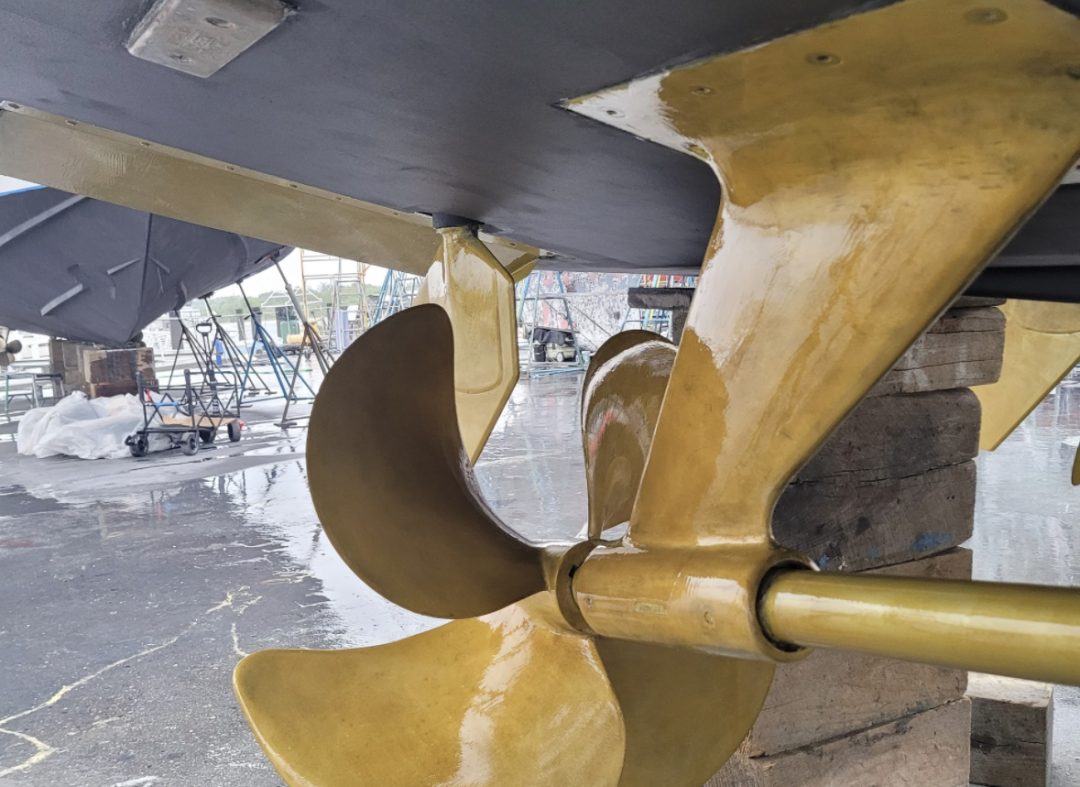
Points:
[334,297]
[397,293]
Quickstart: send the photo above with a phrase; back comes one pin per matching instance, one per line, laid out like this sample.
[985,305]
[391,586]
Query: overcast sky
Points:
[270,279]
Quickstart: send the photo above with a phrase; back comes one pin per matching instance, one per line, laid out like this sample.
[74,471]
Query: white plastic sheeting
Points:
[81,427]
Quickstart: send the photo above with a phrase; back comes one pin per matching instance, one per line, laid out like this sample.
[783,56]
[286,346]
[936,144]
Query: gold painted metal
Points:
[521,266]
[512,698]
[1075,475]
[477,292]
[870,168]
[704,598]
[84,159]
[1025,631]
[612,346]
[391,482]
[863,192]
[621,397]
[704,704]
[1042,344]
[684,711]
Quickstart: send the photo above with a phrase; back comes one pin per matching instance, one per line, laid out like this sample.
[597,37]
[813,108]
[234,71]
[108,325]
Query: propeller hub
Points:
[561,563]
[704,598]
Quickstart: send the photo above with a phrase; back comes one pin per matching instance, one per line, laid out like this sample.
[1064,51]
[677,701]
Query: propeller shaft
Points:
[1026,631]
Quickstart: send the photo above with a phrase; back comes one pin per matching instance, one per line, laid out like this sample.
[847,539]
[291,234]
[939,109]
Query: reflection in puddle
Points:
[16,501]
[273,505]
[532,471]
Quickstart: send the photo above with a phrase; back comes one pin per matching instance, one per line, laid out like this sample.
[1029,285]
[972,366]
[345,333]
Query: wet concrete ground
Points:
[130,588]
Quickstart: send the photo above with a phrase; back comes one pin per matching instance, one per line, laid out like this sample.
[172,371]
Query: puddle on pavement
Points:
[15,501]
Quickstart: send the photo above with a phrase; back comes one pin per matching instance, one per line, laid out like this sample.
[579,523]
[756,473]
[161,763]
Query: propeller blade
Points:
[615,344]
[515,697]
[685,711]
[849,222]
[392,485]
[623,389]
[1042,345]
[470,283]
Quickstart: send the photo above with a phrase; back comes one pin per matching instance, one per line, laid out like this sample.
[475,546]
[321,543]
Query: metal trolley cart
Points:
[189,417]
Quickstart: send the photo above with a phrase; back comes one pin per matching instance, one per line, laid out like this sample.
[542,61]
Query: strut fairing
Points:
[83,269]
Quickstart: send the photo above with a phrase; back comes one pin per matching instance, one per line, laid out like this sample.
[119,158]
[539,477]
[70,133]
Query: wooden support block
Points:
[832,693]
[678,324]
[969,321]
[962,349]
[674,299]
[897,436]
[1011,726]
[974,301]
[928,749]
[66,358]
[96,390]
[664,298]
[112,372]
[844,524]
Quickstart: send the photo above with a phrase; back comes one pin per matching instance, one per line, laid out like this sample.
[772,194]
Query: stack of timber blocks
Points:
[112,372]
[66,357]
[891,492]
[1012,722]
[97,371]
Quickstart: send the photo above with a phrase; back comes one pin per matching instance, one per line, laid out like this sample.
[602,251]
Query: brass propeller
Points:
[479,701]
[447,538]
[871,168]
[620,402]
[614,345]
[389,477]
[680,712]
